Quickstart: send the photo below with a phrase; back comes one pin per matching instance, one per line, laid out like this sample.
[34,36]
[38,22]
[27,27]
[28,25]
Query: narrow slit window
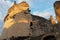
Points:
[31,23]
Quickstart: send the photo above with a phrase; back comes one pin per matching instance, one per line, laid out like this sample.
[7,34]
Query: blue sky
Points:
[36,7]
[42,8]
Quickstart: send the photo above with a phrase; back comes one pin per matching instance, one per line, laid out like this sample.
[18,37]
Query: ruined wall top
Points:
[52,20]
[21,6]
[16,8]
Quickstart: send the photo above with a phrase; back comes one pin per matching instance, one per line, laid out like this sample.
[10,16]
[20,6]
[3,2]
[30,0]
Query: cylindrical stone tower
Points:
[17,21]
[57,10]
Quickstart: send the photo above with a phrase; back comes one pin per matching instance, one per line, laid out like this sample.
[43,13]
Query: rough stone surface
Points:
[19,24]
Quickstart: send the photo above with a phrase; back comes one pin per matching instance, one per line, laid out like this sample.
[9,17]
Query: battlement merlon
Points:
[52,20]
[16,8]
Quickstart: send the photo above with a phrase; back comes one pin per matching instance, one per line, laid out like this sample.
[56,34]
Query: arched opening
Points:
[50,37]
[4,39]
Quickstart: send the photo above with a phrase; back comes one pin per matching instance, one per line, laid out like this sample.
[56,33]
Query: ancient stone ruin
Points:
[19,24]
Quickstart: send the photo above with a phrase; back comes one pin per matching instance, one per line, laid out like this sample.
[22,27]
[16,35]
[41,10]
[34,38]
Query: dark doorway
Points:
[50,37]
